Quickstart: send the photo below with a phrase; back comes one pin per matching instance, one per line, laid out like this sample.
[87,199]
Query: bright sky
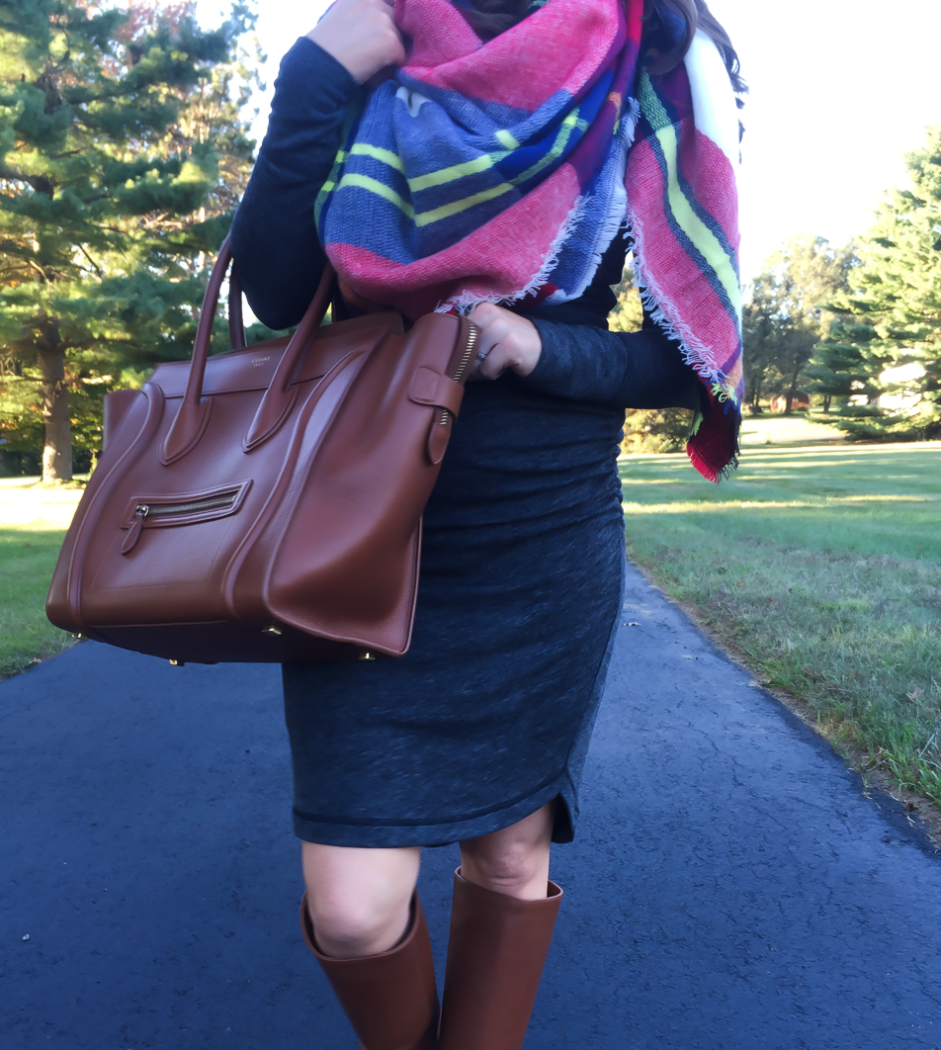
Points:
[840,89]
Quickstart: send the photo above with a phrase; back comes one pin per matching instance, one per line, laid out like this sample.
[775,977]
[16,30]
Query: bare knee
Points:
[358,899]
[351,929]
[504,868]
[514,860]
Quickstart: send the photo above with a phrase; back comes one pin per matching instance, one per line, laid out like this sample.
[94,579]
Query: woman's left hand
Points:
[506,341]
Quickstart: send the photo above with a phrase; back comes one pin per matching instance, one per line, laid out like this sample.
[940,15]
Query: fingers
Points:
[497,361]
[504,353]
[506,340]
[496,325]
[362,36]
[397,53]
[491,360]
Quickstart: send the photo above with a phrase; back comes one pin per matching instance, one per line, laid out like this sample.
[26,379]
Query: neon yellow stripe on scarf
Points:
[694,228]
[487,160]
[686,218]
[363,149]
[571,122]
[338,161]
[455,171]
[446,210]
[364,182]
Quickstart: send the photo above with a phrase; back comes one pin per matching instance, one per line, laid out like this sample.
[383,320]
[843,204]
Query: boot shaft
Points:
[496,953]
[390,999]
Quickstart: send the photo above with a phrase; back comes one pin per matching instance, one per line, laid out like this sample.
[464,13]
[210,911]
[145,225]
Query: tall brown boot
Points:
[390,999]
[496,952]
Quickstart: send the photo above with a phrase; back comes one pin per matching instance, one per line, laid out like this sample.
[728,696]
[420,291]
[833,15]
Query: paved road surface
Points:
[731,888]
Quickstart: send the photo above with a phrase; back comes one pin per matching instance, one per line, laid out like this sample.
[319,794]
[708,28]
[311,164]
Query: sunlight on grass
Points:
[25,503]
[824,568]
[33,520]
[774,430]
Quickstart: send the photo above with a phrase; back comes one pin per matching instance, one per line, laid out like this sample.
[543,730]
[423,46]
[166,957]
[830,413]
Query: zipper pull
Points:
[133,533]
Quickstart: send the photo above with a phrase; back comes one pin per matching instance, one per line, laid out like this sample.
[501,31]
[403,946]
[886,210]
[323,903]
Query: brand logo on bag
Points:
[261,360]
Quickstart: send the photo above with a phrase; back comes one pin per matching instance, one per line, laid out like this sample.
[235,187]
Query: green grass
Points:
[33,521]
[799,429]
[822,566]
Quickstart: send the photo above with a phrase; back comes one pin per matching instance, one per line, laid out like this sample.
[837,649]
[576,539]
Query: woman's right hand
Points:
[362,36]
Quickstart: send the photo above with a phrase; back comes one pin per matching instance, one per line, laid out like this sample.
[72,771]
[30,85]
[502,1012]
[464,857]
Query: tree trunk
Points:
[792,389]
[756,398]
[826,403]
[57,447]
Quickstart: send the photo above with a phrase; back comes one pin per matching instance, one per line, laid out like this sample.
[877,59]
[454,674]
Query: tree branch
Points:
[92,262]
[37,268]
[40,183]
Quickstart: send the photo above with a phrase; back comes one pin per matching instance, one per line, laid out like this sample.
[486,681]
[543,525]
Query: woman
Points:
[472,156]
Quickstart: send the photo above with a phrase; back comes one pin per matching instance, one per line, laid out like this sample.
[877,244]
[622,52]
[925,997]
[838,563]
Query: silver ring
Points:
[481,356]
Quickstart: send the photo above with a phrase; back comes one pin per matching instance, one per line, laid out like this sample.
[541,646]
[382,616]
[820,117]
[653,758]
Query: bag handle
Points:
[279,398]
[193,415]
[236,324]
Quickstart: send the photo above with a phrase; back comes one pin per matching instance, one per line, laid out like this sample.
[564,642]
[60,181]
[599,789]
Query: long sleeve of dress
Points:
[642,369]
[274,239]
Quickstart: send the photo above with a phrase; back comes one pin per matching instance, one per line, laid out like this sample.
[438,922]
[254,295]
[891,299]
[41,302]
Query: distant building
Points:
[800,402]
[900,399]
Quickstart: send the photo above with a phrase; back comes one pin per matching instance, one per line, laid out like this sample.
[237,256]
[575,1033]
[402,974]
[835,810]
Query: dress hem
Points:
[391,836]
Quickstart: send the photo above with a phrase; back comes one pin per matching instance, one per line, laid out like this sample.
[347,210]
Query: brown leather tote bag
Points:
[265,504]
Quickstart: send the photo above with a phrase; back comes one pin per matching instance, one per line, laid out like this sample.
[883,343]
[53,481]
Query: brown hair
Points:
[491,17]
[696,15]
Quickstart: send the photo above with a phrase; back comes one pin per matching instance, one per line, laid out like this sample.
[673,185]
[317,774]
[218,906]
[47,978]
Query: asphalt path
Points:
[731,887]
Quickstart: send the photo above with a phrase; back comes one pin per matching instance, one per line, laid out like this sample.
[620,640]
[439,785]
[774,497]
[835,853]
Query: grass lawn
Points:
[821,565]
[799,429]
[33,521]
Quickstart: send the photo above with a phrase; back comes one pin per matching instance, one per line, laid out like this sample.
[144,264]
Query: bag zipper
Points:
[472,334]
[156,510]
[143,511]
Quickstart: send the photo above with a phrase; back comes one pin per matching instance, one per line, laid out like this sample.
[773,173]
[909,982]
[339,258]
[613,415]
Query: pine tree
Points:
[122,154]
[844,366]
[896,308]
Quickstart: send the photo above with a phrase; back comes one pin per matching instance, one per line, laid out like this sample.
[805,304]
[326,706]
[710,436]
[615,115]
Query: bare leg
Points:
[359,899]
[513,861]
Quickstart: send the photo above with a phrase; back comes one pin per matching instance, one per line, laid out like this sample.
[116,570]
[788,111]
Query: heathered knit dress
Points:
[489,714]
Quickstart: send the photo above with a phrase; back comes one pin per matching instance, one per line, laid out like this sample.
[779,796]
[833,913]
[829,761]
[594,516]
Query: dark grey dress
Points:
[489,714]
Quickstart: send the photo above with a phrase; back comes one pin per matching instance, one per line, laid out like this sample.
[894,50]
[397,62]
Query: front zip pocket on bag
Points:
[187,508]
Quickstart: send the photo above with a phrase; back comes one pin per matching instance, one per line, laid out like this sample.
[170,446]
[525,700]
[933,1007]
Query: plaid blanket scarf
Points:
[501,171]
